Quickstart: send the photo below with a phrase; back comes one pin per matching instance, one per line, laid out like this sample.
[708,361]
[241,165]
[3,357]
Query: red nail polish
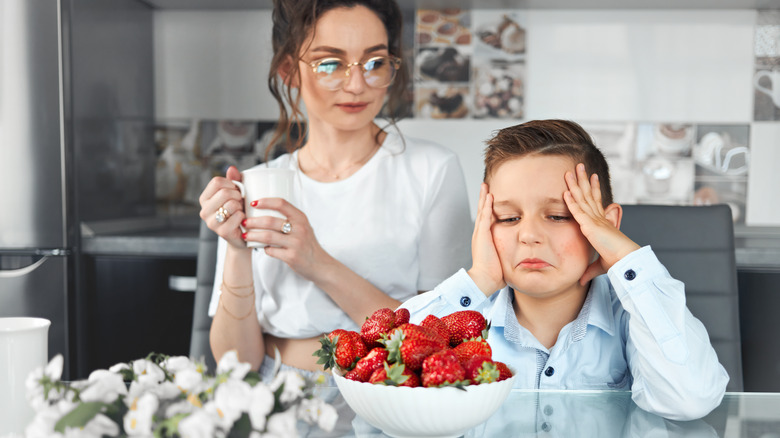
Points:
[253,203]
[243,236]
[243,222]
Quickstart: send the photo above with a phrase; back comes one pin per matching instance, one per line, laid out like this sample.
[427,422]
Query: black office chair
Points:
[696,244]
[201,321]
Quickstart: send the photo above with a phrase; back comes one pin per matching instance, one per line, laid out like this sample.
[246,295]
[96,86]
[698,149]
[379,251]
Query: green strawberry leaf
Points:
[486,330]
[327,353]
[458,384]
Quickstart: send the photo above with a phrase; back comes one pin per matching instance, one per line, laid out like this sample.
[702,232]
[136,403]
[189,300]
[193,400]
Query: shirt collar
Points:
[596,310]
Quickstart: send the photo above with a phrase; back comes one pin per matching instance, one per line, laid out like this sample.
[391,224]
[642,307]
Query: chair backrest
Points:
[696,244]
[201,321]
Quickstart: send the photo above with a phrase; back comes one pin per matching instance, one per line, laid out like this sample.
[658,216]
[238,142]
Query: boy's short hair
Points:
[548,137]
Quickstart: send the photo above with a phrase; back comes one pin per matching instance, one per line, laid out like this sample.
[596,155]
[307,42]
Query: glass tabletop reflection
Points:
[544,413]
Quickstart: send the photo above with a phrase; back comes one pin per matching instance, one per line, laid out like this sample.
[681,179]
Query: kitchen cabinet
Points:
[759,301]
[137,305]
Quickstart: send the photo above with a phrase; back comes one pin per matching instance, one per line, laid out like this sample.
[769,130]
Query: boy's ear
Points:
[614,214]
[285,71]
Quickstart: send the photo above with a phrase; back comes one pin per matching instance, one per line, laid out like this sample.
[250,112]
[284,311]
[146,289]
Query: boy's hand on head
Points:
[598,225]
[486,267]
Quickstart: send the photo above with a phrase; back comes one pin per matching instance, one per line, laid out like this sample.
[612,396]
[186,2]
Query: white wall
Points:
[688,66]
[212,65]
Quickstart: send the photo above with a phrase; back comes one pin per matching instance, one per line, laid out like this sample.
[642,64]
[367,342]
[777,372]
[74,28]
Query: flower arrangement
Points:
[173,396]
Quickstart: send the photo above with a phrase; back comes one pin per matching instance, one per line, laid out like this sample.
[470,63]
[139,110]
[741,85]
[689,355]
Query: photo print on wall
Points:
[469,63]
[766,78]
[676,163]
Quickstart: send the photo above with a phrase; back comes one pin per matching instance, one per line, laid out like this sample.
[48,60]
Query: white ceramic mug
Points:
[24,347]
[265,182]
[774,78]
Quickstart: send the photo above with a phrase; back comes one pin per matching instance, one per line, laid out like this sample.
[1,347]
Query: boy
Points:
[543,236]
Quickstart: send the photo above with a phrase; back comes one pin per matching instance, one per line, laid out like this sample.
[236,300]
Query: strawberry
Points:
[433,322]
[413,351]
[342,348]
[401,316]
[472,347]
[504,371]
[395,375]
[414,331]
[443,369]
[367,365]
[465,324]
[379,323]
[410,344]
[480,369]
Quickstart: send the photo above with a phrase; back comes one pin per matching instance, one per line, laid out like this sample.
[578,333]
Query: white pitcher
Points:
[23,347]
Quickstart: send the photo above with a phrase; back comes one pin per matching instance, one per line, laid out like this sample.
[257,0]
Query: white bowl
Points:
[423,412]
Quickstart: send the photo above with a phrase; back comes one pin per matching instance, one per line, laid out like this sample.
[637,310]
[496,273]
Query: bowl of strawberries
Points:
[433,379]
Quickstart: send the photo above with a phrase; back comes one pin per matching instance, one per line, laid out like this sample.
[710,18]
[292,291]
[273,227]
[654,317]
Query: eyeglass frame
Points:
[394,60]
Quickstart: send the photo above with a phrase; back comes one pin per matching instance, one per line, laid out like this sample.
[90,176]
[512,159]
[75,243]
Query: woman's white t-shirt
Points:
[401,221]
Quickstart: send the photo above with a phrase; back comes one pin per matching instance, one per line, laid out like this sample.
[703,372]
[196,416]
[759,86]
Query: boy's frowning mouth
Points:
[533,263]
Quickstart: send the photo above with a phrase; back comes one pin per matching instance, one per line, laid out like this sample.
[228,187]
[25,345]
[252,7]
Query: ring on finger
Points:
[286,228]
[222,214]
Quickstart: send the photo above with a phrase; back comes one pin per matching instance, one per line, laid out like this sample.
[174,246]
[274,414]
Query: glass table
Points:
[603,414]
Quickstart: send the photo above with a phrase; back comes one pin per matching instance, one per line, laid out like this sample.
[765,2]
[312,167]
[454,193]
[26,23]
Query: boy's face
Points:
[542,251]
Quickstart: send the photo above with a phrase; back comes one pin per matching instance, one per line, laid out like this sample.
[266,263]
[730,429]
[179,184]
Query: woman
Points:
[377,217]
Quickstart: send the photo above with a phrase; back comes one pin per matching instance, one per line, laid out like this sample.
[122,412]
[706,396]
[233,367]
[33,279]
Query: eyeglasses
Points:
[378,71]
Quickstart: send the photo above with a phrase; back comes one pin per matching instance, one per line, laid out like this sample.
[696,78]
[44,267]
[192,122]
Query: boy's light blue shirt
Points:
[633,332]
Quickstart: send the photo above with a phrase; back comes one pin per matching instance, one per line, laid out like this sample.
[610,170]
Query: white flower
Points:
[216,415]
[283,424]
[97,427]
[148,372]
[189,380]
[293,385]
[232,398]
[261,404]
[53,369]
[178,408]
[34,383]
[229,363]
[174,364]
[197,425]
[119,367]
[165,390]
[208,406]
[138,419]
[46,417]
[104,386]
[316,411]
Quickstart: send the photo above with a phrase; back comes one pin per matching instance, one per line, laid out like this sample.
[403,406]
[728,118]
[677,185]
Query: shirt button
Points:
[465,301]
[630,275]
[549,371]
[546,426]
[548,410]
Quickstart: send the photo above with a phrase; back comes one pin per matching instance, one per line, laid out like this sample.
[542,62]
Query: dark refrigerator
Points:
[36,239]
[76,146]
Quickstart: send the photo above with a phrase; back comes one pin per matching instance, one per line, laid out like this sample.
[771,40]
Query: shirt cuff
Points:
[460,291]
[634,270]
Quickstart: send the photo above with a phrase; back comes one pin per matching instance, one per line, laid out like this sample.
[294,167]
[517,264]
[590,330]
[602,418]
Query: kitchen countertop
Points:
[757,248]
[175,236]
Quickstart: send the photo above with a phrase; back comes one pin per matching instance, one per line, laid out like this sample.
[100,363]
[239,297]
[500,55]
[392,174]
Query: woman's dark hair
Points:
[293,23]
[549,137]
